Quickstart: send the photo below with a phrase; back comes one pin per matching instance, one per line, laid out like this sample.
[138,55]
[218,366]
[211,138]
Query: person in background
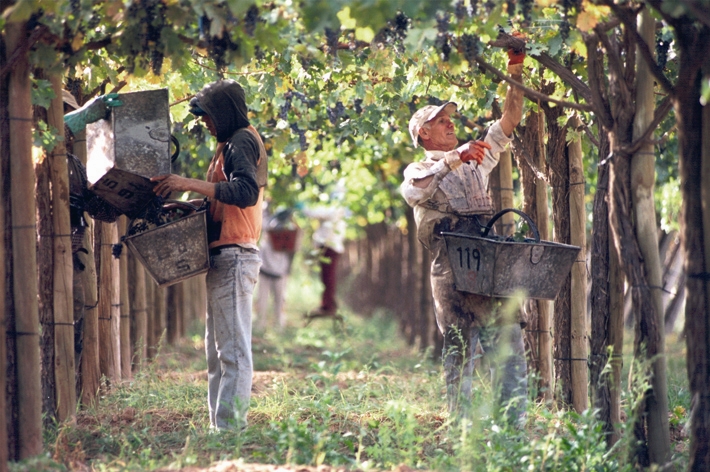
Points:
[275,267]
[448,191]
[329,239]
[234,187]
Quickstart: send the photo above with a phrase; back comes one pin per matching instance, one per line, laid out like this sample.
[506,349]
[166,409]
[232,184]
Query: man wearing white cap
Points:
[448,191]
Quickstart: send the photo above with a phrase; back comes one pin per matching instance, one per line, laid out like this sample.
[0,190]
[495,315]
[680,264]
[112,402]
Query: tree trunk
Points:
[578,281]
[174,312]
[616,335]
[531,162]
[505,175]
[63,307]
[5,285]
[558,174]
[90,365]
[602,386]
[125,308]
[159,319]
[642,176]
[109,297]
[139,321]
[24,250]
[45,295]
[90,373]
[694,171]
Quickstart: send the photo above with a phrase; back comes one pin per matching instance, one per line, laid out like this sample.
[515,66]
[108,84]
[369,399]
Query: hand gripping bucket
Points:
[488,265]
[174,251]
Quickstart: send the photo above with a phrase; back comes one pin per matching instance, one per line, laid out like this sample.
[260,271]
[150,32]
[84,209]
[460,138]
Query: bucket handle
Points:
[528,220]
[175,141]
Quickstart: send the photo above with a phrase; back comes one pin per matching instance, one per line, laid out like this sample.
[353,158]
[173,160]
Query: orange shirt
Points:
[231,224]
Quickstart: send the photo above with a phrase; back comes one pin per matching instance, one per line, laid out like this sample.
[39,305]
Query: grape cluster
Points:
[470,46]
[395,32]
[286,107]
[526,7]
[443,37]
[512,5]
[461,10]
[331,40]
[221,46]
[302,141]
[251,18]
[357,105]
[662,47]
[310,102]
[144,35]
[567,5]
[335,113]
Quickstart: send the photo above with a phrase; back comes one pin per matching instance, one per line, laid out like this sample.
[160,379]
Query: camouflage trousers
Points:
[467,319]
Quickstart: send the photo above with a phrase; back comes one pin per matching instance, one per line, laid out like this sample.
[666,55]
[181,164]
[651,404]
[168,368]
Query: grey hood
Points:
[224,102]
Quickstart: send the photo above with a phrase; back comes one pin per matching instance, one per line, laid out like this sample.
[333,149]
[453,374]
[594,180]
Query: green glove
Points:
[94,110]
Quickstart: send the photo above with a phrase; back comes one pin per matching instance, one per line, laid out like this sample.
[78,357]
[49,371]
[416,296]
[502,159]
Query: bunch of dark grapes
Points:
[259,53]
[460,10]
[443,37]
[302,141]
[434,101]
[401,24]
[310,102]
[567,6]
[335,113]
[221,47]
[143,37]
[357,105]
[564,27]
[251,18]
[512,5]
[283,111]
[394,32]
[526,7]
[473,8]
[412,105]
[662,47]
[470,45]
[331,41]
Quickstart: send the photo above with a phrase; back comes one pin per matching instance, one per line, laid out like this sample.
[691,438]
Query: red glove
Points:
[516,57]
[473,151]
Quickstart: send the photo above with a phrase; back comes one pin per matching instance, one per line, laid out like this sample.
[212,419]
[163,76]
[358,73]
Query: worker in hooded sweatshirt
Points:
[234,188]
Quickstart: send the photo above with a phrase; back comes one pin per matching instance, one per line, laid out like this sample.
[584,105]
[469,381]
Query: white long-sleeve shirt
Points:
[457,189]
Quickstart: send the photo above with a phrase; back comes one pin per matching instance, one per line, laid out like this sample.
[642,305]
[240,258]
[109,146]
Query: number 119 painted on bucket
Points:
[470,254]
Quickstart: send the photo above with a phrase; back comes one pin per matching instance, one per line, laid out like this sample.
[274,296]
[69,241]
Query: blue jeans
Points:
[230,284]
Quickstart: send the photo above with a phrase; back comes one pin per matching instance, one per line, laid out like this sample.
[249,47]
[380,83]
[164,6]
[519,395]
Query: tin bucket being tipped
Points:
[127,149]
[496,267]
[171,251]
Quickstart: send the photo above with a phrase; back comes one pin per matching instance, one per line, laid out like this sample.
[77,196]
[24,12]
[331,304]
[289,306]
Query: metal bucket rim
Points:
[490,240]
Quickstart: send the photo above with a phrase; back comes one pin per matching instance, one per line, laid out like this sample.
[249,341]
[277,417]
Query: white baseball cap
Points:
[425,114]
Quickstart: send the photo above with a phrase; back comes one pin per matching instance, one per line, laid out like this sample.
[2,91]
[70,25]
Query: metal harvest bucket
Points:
[499,268]
[127,149]
[174,251]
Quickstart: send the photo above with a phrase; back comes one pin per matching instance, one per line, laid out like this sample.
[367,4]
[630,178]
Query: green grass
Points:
[352,396]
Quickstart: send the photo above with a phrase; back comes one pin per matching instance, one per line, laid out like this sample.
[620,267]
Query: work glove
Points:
[94,110]
[516,57]
[473,151]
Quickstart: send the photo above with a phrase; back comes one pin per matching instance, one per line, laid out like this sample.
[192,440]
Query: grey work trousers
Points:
[230,285]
